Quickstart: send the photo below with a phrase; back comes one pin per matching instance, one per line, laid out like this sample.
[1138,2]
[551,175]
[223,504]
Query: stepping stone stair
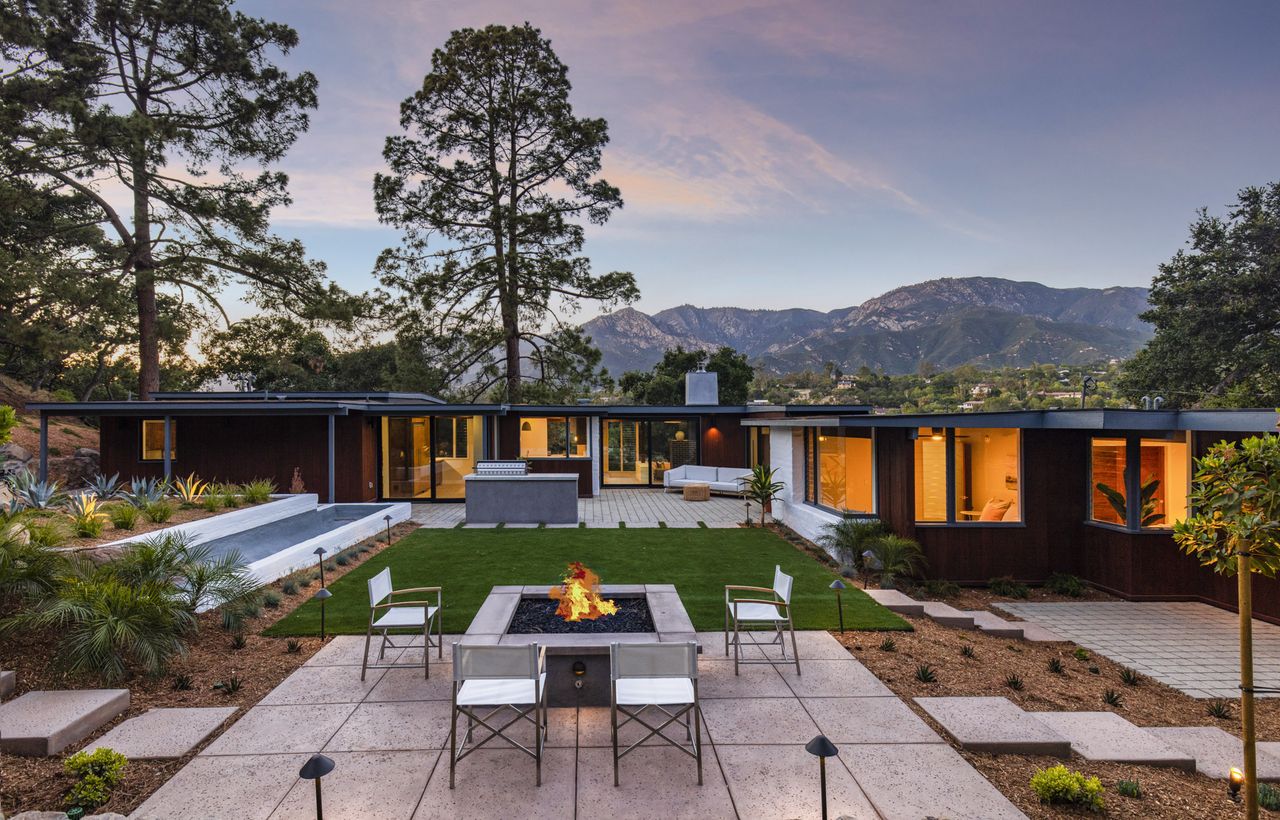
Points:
[988,724]
[40,724]
[994,625]
[1216,751]
[163,734]
[895,601]
[947,615]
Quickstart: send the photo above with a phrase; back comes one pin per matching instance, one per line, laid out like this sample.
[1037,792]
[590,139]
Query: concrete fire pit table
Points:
[578,663]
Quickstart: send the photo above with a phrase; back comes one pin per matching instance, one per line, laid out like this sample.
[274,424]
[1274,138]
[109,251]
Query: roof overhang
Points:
[153,409]
[1220,421]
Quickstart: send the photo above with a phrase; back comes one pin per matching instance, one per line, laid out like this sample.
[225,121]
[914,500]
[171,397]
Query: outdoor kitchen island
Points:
[578,661]
[504,492]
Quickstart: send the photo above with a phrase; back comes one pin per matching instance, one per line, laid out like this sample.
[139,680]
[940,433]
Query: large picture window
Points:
[553,437]
[153,439]
[968,475]
[1139,483]
[840,464]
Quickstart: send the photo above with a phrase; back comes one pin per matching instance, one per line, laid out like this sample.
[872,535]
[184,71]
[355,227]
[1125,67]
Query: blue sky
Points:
[815,154]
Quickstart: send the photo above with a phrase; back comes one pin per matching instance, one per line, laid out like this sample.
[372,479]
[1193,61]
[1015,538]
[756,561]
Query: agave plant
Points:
[190,489]
[144,491]
[891,556]
[34,494]
[87,517]
[104,488]
[848,538]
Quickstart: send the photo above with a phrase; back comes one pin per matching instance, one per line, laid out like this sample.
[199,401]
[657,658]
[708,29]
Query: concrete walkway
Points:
[1189,646]
[387,736]
[638,508]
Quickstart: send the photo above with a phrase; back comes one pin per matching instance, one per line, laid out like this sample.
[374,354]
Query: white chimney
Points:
[701,387]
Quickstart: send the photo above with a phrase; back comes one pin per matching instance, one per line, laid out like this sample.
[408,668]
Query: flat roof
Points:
[290,395]
[1242,421]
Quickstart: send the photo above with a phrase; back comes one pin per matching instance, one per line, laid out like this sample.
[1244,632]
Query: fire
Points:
[579,595]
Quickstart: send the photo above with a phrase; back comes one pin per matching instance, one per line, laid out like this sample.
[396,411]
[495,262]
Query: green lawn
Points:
[466,563]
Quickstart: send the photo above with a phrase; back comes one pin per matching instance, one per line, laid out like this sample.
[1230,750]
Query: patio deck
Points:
[637,508]
[388,736]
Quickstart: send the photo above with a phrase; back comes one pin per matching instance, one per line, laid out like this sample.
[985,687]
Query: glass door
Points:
[626,453]
[672,443]
[427,457]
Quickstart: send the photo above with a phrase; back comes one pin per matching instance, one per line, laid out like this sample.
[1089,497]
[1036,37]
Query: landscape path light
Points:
[315,769]
[322,595]
[1235,779]
[822,748]
[838,585]
[319,554]
[870,564]
[387,518]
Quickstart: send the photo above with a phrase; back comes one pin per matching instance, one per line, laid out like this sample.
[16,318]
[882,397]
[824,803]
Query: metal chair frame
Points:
[536,713]
[691,712]
[388,602]
[780,600]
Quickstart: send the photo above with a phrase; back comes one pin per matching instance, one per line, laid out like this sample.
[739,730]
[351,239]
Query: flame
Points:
[579,595]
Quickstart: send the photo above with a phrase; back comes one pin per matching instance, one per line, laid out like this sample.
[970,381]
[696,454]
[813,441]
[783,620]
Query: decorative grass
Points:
[468,562]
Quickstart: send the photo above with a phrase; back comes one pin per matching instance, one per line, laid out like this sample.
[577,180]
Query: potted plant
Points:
[762,489]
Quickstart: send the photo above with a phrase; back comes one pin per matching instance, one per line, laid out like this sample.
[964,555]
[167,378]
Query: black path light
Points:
[822,748]
[870,564]
[838,585]
[387,518]
[322,595]
[315,769]
[319,554]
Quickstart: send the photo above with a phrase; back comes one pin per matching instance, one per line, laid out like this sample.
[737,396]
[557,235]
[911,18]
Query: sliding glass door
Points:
[637,452]
[426,457]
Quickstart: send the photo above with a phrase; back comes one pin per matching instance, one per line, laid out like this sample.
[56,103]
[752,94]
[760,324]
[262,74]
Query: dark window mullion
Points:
[1133,482]
[951,475]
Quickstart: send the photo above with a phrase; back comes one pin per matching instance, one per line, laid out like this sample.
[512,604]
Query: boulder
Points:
[14,452]
[87,452]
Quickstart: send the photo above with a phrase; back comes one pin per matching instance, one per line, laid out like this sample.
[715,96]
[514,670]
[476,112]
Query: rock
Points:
[87,452]
[14,452]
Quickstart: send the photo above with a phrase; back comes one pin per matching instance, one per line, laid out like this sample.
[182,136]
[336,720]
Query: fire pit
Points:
[578,648]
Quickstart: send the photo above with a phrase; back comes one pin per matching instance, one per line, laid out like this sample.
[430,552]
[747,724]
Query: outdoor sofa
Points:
[719,479]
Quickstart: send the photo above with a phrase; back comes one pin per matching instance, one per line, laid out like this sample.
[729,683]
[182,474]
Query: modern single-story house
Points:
[987,494]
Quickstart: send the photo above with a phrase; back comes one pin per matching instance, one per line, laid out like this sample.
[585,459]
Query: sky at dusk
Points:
[815,154]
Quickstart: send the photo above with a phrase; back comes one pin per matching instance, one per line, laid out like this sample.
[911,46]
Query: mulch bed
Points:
[30,783]
[180,516]
[1168,793]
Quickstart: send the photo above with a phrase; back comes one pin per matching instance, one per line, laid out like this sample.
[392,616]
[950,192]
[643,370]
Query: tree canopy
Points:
[664,384]
[147,115]
[1216,310]
[491,185]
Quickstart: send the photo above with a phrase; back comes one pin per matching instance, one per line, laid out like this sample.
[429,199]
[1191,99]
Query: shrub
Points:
[926,674]
[888,645]
[941,589]
[1081,654]
[1130,677]
[293,646]
[230,494]
[289,587]
[239,641]
[158,512]
[123,516]
[967,651]
[47,532]
[212,501]
[271,600]
[1130,788]
[1062,583]
[87,518]
[1007,587]
[1059,785]
[891,556]
[258,491]
[1113,698]
[183,683]
[848,538]
[1219,709]
[342,560]
[1268,797]
[28,570]
[96,773]
[1055,666]
[230,686]
[1014,681]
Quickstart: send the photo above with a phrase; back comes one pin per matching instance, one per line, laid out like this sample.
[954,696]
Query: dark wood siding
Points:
[723,441]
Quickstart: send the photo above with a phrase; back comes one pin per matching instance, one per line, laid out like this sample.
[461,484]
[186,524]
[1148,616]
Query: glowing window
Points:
[845,470]
[553,437]
[986,475]
[153,439]
[1107,470]
[1164,480]
[931,474]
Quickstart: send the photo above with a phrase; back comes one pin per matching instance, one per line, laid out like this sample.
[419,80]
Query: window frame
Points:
[812,461]
[142,441]
[950,470]
[568,437]
[1133,478]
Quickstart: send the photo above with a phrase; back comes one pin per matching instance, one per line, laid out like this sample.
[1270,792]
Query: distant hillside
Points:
[948,322]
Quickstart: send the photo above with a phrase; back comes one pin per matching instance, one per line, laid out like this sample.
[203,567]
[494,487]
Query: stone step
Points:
[1038,634]
[1216,751]
[8,680]
[986,724]
[1107,736]
[947,615]
[39,724]
[993,624]
[895,601]
[163,734]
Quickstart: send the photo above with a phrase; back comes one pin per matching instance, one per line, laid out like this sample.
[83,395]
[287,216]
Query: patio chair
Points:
[754,613]
[401,615]
[659,676]
[487,681]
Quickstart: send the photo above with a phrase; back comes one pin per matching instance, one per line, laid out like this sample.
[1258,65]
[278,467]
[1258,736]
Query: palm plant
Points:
[104,488]
[761,488]
[87,518]
[892,556]
[846,539]
[190,489]
[199,579]
[33,494]
[28,570]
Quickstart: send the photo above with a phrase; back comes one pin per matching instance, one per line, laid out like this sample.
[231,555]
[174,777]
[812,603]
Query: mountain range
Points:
[982,321]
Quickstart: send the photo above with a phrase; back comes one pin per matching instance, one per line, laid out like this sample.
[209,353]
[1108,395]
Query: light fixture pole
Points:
[822,748]
[387,518]
[319,554]
[838,585]
[322,595]
[315,769]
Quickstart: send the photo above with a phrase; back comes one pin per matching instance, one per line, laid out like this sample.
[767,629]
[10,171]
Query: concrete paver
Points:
[912,781]
[247,787]
[641,508]
[758,720]
[995,725]
[1216,751]
[267,730]
[843,678]
[656,781]
[993,624]
[323,684]
[500,783]
[868,720]
[1107,736]
[769,782]
[363,784]
[896,601]
[947,615]
[45,723]
[163,733]
[376,727]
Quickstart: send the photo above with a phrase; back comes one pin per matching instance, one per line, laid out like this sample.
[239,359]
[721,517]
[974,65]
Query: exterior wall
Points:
[786,455]
[724,442]
[242,448]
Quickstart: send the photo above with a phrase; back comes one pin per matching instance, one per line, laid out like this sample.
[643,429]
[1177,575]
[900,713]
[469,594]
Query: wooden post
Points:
[44,447]
[1244,579]
[168,448]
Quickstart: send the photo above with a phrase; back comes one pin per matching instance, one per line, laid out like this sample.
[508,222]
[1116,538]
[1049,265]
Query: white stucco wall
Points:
[786,455]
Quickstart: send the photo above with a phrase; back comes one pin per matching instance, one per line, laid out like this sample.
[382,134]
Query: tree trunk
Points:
[144,280]
[1245,593]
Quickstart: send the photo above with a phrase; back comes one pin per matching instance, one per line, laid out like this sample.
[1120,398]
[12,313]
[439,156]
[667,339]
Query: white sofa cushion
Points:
[705,475]
[732,475]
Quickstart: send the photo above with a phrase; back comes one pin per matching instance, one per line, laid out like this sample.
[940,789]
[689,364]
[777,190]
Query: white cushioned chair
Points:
[754,613]
[487,681]
[401,615]
[662,677]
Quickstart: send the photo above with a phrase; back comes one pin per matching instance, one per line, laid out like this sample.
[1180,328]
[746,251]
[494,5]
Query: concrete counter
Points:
[541,498]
